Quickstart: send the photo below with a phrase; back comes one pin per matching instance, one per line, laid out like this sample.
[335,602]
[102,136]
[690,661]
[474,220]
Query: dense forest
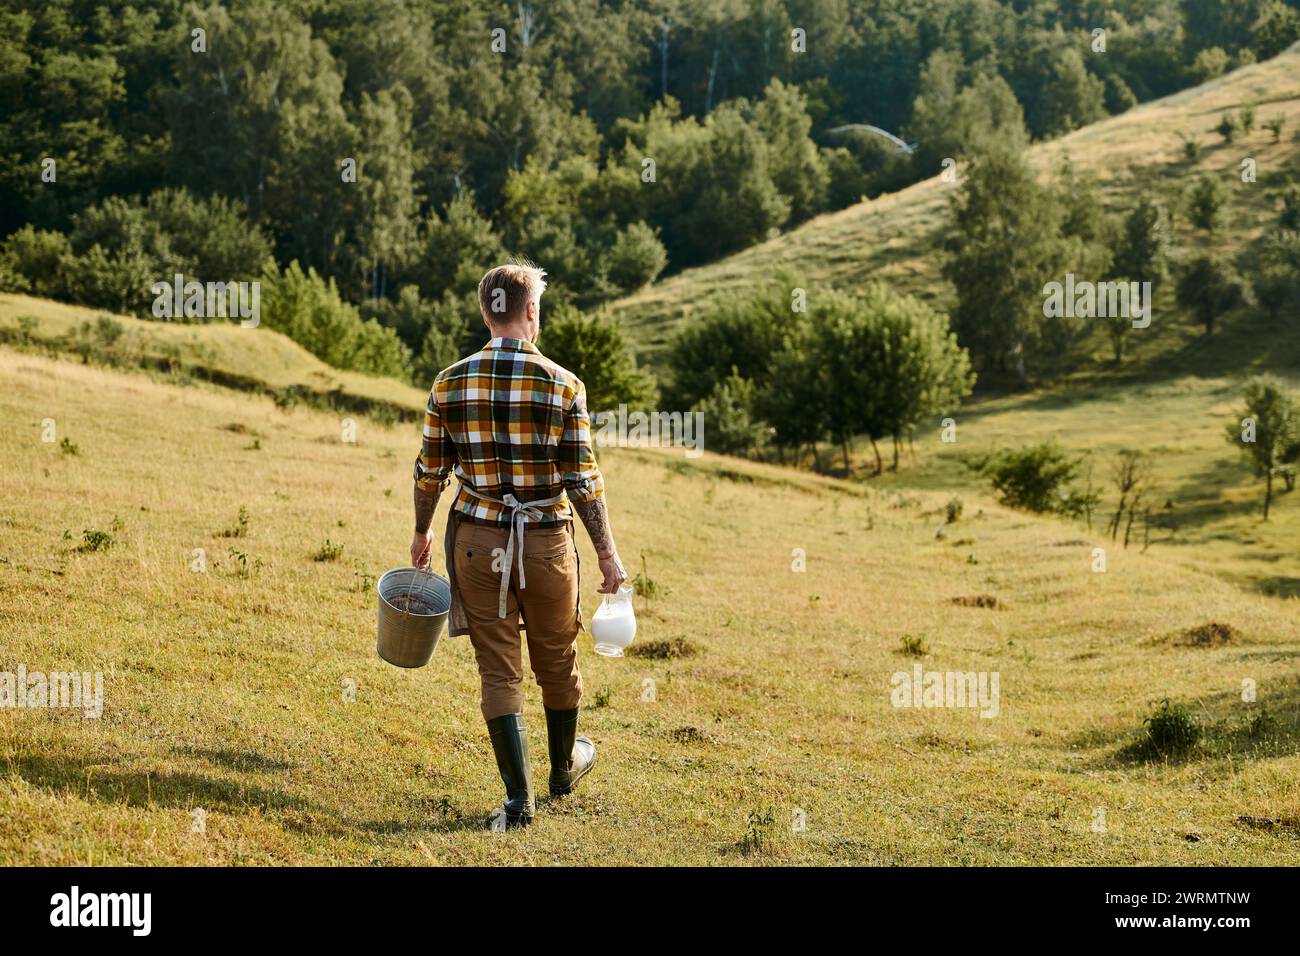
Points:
[367,159]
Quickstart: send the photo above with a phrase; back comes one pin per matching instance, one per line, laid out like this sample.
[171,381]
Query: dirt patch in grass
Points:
[1208,635]
[980,600]
[663,650]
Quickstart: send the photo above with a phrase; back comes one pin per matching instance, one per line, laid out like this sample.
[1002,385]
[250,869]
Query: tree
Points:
[1072,97]
[457,248]
[1142,252]
[1266,431]
[1131,471]
[1141,255]
[1289,217]
[1209,287]
[594,349]
[1277,275]
[636,258]
[1205,203]
[797,168]
[730,418]
[1005,246]
[741,335]
[948,122]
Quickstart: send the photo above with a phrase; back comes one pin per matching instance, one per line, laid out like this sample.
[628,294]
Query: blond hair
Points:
[505,291]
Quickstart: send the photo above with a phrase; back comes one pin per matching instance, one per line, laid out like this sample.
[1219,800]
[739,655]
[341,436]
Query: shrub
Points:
[35,260]
[1205,203]
[913,645]
[1172,729]
[1035,478]
[329,551]
[93,540]
[310,311]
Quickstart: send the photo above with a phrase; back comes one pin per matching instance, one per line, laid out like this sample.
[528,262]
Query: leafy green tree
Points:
[1210,64]
[270,94]
[1141,255]
[797,396]
[962,123]
[1276,279]
[1289,217]
[210,236]
[1277,27]
[1072,97]
[1209,287]
[38,261]
[458,247]
[120,254]
[730,419]
[1266,430]
[595,350]
[797,168]
[741,334]
[1005,246]
[636,258]
[1143,249]
[893,363]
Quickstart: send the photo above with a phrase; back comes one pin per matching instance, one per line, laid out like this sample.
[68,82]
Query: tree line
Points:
[385,152]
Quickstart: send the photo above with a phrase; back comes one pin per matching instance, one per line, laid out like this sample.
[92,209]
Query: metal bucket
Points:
[406,638]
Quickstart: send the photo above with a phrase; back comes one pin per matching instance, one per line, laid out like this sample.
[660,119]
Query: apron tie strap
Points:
[520,513]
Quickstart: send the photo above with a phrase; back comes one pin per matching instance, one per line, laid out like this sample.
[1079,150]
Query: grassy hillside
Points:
[255,359]
[895,237]
[225,690]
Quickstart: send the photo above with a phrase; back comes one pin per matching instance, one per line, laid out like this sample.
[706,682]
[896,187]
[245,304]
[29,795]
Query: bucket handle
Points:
[406,611]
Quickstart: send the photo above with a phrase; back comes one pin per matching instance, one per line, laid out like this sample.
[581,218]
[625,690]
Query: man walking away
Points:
[512,427]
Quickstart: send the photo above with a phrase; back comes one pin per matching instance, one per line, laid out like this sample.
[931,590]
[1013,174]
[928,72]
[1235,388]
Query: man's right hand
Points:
[611,569]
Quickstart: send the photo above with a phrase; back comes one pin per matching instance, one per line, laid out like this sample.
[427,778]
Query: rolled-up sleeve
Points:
[437,453]
[578,469]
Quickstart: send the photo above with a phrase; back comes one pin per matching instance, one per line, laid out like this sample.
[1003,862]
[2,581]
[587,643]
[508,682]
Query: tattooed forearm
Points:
[425,503]
[595,518]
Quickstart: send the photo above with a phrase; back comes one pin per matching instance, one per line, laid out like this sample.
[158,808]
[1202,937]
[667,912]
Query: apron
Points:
[521,512]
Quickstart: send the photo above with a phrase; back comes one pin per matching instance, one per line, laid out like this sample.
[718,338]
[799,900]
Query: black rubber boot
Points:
[510,744]
[571,756]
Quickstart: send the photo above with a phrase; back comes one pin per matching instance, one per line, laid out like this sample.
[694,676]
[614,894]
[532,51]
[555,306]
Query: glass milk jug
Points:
[614,625]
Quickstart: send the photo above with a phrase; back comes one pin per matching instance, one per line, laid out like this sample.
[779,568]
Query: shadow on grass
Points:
[90,780]
[241,760]
[1232,732]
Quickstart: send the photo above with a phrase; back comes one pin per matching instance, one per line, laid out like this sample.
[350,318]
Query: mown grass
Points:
[226,691]
[896,237]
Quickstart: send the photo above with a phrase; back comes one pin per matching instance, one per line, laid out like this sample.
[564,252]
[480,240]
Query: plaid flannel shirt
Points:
[508,420]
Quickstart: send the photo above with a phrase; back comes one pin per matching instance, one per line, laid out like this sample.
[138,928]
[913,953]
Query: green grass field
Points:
[225,691]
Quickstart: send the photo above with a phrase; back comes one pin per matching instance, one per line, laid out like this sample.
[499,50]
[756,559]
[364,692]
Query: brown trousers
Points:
[549,604]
